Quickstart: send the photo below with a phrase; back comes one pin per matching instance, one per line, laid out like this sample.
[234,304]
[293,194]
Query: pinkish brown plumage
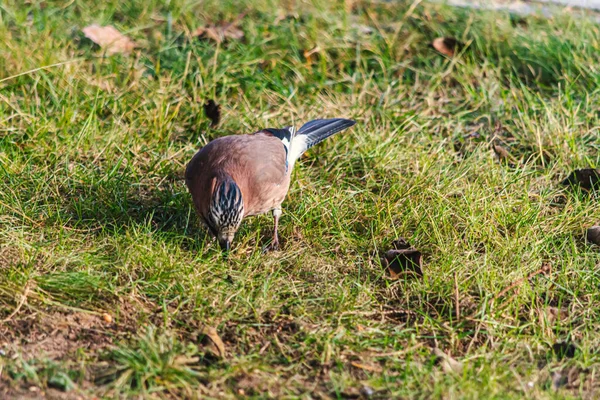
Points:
[237,176]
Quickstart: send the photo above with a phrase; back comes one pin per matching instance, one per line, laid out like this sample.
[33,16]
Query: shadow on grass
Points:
[115,202]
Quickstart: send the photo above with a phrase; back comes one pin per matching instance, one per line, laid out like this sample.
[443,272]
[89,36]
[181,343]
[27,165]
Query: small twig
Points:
[546,267]
[456,297]
[474,339]
[21,302]
[382,312]
[264,348]
[81,230]
[366,367]
[41,69]
[279,346]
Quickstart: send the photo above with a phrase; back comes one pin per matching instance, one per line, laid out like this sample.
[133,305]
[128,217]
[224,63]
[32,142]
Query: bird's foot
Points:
[273,246]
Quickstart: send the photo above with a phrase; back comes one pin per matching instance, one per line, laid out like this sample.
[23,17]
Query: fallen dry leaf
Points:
[446,45]
[449,364]
[501,152]
[222,31]
[402,259]
[588,179]
[564,350]
[184,360]
[593,234]
[308,54]
[218,33]
[213,112]
[214,343]
[400,244]
[109,38]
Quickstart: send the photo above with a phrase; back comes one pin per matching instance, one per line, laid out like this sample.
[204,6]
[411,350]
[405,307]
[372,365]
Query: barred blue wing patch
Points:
[285,135]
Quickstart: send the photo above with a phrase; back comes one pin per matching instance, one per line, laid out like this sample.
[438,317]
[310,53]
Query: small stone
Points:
[558,380]
[107,318]
[367,391]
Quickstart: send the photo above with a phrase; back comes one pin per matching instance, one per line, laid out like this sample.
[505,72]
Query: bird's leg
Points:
[276,215]
[275,243]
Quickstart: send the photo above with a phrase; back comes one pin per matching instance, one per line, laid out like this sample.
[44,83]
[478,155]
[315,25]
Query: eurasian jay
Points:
[236,176]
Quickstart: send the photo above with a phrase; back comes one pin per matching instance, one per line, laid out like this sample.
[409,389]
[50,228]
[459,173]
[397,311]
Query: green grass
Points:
[95,218]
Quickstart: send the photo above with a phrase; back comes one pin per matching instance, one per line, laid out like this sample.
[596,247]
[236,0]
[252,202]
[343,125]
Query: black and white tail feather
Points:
[309,134]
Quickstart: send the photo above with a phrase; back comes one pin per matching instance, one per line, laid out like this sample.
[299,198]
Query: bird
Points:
[238,176]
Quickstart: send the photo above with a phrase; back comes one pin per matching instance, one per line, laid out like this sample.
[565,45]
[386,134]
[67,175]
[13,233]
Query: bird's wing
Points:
[258,167]
[315,132]
[286,135]
[311,133]
[264,157]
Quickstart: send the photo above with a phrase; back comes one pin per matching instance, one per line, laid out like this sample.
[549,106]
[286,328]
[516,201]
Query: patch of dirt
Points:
[389,315]
[130,313]
[253,384]
[279,323]
[56,335]
[572,380]
[273,384]
[271,329]
[35,393]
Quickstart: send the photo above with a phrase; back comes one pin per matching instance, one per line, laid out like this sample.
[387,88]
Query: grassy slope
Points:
[95,218]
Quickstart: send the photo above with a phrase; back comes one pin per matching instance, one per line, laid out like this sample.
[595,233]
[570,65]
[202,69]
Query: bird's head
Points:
[225,212]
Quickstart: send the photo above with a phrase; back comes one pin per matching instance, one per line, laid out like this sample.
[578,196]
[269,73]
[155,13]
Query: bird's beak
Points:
[225,244]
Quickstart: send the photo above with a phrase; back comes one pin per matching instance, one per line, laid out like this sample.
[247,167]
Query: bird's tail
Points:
[315,132]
